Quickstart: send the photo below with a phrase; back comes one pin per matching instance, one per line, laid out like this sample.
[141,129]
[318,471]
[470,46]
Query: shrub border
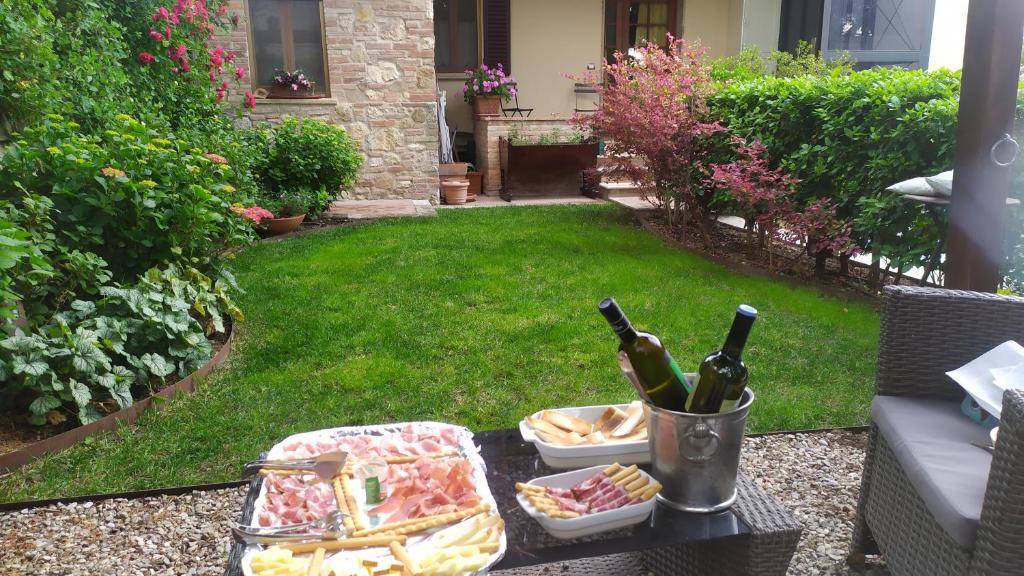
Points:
[64,440]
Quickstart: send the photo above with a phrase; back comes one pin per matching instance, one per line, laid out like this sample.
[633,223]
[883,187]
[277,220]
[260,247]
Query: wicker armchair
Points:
[926,332]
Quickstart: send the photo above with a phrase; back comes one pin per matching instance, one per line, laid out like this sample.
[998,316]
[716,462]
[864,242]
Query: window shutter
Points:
[497,34]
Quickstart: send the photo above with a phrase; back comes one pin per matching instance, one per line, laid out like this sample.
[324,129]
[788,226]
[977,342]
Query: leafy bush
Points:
[98,355]
[129,196]
[309,154]
[749,64]
[296,201]
[848,137]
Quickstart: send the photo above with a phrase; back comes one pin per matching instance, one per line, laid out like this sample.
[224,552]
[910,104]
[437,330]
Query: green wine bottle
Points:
[658,373]
[722,376]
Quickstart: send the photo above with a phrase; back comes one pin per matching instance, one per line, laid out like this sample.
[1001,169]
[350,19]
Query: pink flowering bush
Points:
[254,214]
[822,231]
[653,108]
[186,54]
[487,81]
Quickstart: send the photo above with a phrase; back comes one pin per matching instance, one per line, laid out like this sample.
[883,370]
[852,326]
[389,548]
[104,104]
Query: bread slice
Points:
[541,425]
[596,437]
[613,421]
[634,415]
[566,439]
[567,422]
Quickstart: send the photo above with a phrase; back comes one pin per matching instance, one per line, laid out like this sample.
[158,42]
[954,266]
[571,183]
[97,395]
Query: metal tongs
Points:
[326,466]
[330,527]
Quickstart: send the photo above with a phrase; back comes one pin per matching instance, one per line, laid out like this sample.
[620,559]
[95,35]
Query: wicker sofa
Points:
[930,501]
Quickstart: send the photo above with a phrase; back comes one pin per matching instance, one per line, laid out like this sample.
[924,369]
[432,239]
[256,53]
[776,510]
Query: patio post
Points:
[988,95]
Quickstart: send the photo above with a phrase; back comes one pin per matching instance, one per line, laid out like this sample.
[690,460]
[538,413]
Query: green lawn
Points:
[476,317]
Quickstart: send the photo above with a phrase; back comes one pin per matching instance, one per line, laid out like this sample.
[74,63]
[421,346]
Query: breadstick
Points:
[343,544]
[635,484]
[650,492]
[612,469]
[623,473]
[628,479]
[359,520]
[339,495]
[566,514]
[285,472]
[316,562]
[402,555]
[527,488]
[439,520]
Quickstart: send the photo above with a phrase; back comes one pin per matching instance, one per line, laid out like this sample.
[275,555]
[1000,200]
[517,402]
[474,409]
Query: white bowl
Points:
[566,528]
[562,457]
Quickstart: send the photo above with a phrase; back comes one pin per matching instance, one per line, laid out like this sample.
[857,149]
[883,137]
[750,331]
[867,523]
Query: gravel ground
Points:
[816,476]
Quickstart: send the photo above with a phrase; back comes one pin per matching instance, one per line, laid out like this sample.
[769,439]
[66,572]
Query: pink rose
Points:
[146,58]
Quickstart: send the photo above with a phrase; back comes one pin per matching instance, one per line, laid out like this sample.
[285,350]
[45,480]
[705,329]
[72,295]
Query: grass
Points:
[476,317]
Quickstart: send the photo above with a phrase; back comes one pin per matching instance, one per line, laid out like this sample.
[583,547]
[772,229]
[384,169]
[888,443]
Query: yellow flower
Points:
[161,141]
[148,183]
[53,150]
[229,188]
[124,118]
[112,172]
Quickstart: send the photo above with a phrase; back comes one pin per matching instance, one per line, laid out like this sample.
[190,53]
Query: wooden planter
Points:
[284,93]
[543,169]
[270,227]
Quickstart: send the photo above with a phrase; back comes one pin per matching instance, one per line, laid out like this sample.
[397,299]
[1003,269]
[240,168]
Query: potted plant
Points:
[290,208]
[455,190]
[293,84]
[486,88]
[476,180]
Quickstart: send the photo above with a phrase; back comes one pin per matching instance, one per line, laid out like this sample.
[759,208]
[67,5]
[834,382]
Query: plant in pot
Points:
[294,84]
[486,88]
[290,208]
[475,183]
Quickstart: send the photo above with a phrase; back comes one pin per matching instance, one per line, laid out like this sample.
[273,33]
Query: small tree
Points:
[653,109]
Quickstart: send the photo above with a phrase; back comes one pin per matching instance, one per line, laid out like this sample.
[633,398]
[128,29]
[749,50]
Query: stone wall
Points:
[380,62]
[488,129]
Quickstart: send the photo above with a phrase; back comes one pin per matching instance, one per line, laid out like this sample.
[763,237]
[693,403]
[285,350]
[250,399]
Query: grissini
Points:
[316,562]
[343,544]
[567,422]
[638,483]
[627,479]
[402,555]
[359,520]
[414,458]
[623,473]
[612,469]
[404,526]
[339,495]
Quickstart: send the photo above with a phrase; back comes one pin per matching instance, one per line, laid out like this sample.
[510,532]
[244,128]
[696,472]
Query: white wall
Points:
[948,32]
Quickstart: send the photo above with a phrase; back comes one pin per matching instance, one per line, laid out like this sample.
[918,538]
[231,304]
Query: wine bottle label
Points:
[728,405]
[679,374]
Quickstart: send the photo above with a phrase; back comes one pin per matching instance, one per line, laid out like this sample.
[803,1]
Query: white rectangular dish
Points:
[467,449]
[566,528]
[562,457]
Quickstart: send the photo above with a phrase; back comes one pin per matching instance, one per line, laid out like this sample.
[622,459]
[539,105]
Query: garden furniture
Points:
[931,501]
[756,536]
[513,110]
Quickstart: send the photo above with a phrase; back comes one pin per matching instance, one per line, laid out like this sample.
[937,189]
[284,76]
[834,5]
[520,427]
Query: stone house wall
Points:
[487,131]
[380,67]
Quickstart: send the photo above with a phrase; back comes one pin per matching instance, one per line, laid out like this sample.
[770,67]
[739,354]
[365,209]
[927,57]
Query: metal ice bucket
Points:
[696,456]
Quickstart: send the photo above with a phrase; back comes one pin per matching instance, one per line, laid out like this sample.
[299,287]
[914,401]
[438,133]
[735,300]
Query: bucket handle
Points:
[701,430]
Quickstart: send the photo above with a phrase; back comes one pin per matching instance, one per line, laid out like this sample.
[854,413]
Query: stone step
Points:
[607,161]
[609,189]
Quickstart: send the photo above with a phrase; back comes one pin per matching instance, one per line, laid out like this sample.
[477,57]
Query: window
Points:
[631,23]
[880,32]
[455,33]
[287,35]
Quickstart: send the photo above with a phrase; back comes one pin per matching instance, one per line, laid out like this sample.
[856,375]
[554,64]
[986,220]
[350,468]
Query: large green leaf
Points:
[33,365]
[44,404]
[157,364]
[80,392]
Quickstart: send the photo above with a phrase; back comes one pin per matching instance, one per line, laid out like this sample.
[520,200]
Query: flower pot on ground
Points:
[476,181]
[270,227]
[454,190]
[487,105]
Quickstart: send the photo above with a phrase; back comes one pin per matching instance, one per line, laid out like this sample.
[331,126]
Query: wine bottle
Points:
[660,377]
[722,376]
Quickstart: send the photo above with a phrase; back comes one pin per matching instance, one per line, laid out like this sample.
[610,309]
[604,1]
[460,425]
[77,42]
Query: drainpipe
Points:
[981,180]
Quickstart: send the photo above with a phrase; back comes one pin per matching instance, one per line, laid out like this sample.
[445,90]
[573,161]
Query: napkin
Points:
[989,375]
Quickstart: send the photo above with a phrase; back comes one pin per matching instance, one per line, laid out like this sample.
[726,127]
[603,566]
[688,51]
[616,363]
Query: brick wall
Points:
[488,129]
[380,61]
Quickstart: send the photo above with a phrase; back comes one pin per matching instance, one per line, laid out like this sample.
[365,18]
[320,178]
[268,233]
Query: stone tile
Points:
[374,209]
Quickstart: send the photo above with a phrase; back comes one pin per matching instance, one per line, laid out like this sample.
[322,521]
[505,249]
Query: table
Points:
[757,536]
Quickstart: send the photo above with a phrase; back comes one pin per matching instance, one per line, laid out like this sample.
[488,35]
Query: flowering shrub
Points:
[128,195]
[821,230]
[294,81]
[487,81]
[254,214]
[653,108]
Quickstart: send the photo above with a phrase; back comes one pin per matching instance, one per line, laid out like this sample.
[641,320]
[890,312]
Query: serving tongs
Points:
[325,466]
[330,527]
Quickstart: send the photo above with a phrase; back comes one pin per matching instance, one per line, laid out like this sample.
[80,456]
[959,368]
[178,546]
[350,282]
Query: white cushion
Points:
[915,186]
[942,183]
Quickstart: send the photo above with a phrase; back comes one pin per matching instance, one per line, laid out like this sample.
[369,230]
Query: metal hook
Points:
[1009,140]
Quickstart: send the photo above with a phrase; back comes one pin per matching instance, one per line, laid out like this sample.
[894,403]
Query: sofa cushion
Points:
[932,442]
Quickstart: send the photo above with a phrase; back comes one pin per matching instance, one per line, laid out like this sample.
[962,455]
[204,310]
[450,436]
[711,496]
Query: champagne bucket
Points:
[696,456]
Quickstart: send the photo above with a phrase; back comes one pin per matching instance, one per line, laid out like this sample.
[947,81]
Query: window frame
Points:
[453,37]
[289,48]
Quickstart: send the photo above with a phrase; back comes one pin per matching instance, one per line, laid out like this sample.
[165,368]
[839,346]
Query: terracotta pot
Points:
[487,105]
[455,190]
[277,226]
[452,169]
[476,182]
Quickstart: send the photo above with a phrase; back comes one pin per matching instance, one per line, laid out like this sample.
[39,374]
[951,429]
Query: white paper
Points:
[988,376]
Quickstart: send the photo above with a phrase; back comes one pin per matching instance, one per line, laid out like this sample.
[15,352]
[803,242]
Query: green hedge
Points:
[848,136]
